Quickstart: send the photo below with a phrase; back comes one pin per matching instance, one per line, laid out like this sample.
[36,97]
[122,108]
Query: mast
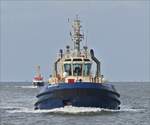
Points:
[38,74]
[77,36]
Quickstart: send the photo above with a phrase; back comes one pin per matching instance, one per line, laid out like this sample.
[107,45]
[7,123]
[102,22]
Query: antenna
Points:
[86,38]
[85,46]
[77,16]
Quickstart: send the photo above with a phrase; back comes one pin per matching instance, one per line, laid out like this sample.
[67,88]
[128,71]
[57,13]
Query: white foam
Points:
[6,107]
[125,108]
[72,110]
[26,87]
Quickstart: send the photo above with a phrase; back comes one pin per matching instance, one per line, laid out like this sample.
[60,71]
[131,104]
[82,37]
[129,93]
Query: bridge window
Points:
[77,59]
[86,69]
[77,69]
[67,69]
[67,59]
[87,60]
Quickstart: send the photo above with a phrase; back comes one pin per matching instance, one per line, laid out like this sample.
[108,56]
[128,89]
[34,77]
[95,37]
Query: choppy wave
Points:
[73,110]
[26,87]
[7,108]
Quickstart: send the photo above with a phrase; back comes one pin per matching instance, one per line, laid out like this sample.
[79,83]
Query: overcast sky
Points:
[32,32]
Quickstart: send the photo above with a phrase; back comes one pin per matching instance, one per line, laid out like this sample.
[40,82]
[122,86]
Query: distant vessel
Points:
[73,83]
[38,79]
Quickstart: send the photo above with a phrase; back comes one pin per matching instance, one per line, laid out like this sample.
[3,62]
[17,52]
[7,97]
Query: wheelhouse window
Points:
[86,69]
[77,59]
[77,69]
[67,69]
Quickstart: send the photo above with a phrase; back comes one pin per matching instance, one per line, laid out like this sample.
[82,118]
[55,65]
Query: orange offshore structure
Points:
[38,79]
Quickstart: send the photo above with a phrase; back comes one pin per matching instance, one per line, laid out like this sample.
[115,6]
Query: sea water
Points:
[17,107]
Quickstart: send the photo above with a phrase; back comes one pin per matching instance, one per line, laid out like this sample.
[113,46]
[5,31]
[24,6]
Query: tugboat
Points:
[38,79]
[73,83]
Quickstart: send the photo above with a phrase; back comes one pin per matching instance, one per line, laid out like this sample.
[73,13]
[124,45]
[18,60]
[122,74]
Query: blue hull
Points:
[78,94]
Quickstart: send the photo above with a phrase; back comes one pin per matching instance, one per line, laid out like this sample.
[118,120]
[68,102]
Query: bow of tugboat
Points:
[73,83]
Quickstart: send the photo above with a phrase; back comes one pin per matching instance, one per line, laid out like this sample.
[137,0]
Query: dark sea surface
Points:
[17,107]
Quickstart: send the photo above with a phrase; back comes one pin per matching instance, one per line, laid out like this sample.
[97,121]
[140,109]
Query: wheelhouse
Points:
[77,67]
[75,63]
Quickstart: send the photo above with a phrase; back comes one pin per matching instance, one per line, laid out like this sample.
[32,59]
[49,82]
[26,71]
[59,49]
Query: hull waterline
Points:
[78,95]
[37,83]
